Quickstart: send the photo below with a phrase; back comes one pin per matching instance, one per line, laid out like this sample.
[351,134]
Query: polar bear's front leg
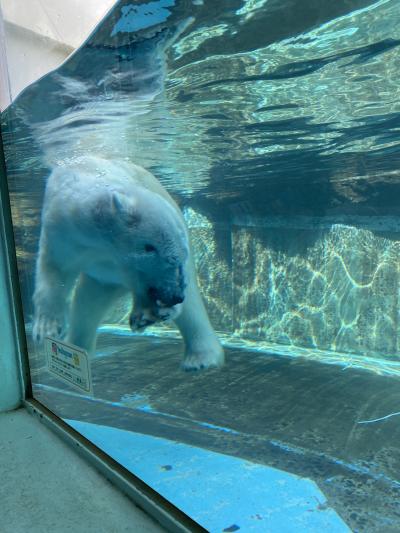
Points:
[52,287]
[202,347]
[90,303]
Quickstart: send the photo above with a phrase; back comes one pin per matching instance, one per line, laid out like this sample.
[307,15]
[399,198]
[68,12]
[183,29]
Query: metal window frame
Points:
[155,505]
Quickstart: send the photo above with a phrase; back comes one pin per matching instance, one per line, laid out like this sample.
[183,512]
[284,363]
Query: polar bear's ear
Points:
[125,207]
[119,203]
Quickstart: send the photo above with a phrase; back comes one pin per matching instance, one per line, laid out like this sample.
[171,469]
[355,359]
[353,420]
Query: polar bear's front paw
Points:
[48,326]
[167,313]
[140,321]
[212,358]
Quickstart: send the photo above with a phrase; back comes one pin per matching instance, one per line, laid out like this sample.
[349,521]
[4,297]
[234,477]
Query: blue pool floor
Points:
[221,492]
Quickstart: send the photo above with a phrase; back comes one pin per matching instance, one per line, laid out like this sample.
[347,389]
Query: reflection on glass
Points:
[274,126]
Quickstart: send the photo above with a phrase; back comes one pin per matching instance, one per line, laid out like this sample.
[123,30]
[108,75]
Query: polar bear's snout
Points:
[169,290]
[159,306]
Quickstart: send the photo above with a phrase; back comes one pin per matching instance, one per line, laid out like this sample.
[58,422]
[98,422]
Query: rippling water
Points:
[285,114]
[291,106]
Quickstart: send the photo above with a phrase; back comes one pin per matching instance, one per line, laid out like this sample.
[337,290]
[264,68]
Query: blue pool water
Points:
[275,126]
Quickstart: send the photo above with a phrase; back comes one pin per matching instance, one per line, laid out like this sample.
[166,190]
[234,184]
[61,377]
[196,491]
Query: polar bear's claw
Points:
[140,320]
[45,326]
[203,360]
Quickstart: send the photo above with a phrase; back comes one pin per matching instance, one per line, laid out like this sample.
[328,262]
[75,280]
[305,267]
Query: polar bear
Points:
[110,228]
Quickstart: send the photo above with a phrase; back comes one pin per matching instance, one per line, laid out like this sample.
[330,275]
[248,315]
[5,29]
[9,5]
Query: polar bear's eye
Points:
[149,248]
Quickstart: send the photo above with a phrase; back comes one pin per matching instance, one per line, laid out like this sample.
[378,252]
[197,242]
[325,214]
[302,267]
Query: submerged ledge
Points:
[345,360]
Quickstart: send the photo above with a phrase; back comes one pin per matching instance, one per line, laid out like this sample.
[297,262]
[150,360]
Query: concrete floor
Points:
[45,486]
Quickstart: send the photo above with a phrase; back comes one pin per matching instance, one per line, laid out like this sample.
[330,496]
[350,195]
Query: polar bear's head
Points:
[151,243]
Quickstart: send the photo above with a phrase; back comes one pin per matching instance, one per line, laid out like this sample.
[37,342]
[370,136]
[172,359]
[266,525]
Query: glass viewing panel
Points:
[270,130]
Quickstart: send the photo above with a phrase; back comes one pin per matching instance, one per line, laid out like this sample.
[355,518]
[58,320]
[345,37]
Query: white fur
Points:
[108,228]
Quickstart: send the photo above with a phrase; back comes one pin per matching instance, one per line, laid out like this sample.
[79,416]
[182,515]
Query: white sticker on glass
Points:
[69,363]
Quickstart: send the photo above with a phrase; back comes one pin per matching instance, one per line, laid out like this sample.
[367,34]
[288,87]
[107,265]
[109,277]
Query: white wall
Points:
[39,35]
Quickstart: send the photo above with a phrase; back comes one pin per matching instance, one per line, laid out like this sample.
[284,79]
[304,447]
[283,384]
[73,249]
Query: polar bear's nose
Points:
[170,300]
[176,299]
[164,299]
